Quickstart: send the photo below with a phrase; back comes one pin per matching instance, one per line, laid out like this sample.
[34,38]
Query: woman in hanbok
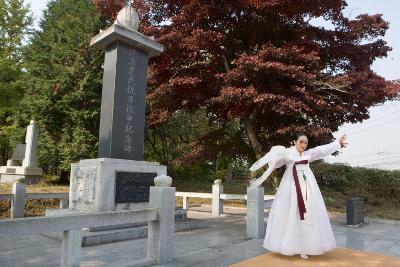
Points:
[298,222]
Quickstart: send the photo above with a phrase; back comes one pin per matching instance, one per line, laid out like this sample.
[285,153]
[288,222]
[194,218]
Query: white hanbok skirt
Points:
[286,233]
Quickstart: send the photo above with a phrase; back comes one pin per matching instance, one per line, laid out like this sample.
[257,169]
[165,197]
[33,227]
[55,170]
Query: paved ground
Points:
[223,243]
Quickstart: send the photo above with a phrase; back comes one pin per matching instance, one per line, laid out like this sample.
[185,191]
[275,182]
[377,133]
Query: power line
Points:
[382,164]
[371,120]
[375,161]
[362,155]
[374,126]
[375,123]
[380,158]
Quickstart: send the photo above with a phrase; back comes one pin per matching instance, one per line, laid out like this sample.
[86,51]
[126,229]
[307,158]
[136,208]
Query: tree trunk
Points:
[249,126]
[3,155]
[253,138]
[64,177]
[274,182]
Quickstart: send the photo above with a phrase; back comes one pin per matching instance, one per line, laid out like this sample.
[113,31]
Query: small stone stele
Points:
[163,181]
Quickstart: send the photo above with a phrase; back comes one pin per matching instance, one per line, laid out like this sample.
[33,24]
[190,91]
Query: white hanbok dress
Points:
[286,233]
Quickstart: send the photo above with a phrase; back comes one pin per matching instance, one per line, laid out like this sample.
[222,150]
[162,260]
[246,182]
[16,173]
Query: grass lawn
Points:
[335,201]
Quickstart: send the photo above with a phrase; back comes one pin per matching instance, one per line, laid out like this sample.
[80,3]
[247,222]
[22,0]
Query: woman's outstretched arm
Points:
[321,152]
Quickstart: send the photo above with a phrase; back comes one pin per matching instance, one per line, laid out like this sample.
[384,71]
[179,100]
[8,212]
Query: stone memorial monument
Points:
[23,163]
[119,178]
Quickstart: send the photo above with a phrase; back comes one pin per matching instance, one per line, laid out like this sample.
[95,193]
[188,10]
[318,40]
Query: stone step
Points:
[180,214]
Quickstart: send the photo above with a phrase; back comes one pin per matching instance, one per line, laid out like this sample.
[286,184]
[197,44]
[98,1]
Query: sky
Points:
[374,143]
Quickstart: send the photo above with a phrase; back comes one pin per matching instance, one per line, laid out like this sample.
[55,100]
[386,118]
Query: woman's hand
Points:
[342,140]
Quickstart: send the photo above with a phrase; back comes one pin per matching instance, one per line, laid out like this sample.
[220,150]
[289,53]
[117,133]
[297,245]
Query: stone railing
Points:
[256,203]
[218,198]
[19,195]
[160,216]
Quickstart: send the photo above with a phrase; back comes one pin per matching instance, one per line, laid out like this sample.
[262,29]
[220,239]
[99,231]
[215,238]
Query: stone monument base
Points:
[10,174]
[106,184]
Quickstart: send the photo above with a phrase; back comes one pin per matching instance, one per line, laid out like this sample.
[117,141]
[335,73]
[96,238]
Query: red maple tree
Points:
[263,63]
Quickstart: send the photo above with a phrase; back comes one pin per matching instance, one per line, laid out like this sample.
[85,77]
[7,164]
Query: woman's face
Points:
[301,143]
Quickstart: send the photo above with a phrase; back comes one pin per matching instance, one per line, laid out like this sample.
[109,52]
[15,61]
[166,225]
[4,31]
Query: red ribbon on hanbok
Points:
[300,200]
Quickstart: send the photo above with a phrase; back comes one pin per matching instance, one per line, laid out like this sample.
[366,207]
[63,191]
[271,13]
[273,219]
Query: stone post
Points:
[161,233]
[71,248]
[31,145]
[255,212]
[18,201]
[64,203]
[72,185]
[217,203]
[185,203]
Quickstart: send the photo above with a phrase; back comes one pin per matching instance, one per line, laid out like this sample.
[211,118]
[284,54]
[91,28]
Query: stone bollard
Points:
[255,212]
[355,212]
[185,202]
[18,200]
[64,203]
[161,233]
[217,202]
[71,248]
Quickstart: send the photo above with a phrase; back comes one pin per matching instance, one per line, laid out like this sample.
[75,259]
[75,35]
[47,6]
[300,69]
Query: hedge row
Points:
[361,182]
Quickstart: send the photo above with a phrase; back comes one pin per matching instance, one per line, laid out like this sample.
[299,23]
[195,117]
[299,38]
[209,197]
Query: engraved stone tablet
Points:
[133,186]
[19,152]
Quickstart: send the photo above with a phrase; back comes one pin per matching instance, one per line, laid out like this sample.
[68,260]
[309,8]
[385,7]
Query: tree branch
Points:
[326,86]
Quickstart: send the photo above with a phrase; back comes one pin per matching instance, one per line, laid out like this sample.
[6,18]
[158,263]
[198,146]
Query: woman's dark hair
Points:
[298,135]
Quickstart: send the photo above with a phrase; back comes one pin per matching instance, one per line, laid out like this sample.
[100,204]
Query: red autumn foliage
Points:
[263,62]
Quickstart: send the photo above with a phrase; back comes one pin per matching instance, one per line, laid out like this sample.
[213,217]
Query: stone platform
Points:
[223,243]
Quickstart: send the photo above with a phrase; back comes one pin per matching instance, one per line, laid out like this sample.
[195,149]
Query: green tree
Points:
[64,84]
[15,26]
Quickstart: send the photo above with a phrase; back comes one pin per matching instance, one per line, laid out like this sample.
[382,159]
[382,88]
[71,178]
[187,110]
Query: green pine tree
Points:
[15,26]
[64,84]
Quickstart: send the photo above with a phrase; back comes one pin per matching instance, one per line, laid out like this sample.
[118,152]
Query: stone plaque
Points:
[19,152]
[133,186]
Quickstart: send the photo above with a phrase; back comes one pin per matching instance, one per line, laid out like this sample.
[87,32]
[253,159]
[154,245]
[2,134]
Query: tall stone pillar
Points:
[124,86]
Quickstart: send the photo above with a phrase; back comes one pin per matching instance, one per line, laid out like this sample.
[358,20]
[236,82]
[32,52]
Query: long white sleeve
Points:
[277,154]
[275,158]
[321,152]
